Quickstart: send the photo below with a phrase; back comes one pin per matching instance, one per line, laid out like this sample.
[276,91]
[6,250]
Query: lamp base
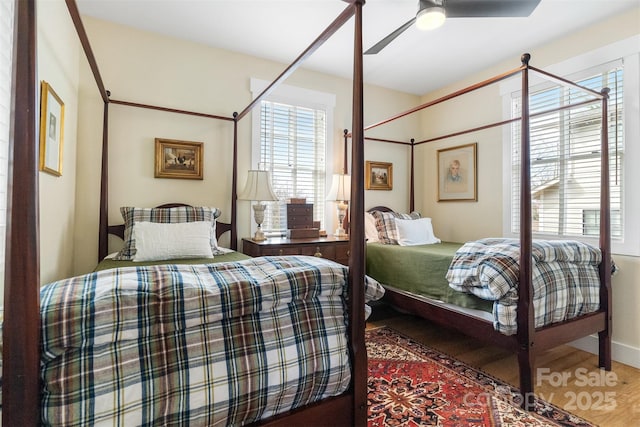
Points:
[342,212]
[259,236]
[258,216]
[340,232]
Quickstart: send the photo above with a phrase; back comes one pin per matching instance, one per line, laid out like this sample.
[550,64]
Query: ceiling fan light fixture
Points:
[430,18]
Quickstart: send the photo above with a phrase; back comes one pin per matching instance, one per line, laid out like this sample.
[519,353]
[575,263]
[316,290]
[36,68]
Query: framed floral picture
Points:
[178,159]
[51,130]
[457,173]
[379,176]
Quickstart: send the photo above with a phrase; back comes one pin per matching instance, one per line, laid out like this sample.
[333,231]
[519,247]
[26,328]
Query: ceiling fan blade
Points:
[489,8]
[391,37]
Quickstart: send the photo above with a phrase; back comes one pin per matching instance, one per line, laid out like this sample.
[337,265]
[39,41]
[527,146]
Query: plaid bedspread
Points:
[566,281]
[215,344]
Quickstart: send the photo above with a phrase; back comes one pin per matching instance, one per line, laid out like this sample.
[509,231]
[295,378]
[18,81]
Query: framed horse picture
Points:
[178,159]
[379,176]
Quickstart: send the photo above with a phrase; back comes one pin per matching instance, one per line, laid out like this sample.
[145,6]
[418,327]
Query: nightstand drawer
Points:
[342,253]
[280,250]
[324,251]
[325,247]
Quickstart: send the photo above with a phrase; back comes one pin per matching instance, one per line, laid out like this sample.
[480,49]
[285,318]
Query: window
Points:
[6,48]
[591,222]
[565,151]
[291,141]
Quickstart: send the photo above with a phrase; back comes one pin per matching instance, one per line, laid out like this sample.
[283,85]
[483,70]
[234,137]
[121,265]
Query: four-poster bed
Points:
[529,340]
[21,386]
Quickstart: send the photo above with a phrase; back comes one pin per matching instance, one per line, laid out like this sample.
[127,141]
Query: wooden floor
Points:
[566,377]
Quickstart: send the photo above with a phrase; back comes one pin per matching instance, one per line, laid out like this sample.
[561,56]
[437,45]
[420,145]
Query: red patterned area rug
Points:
[413,385]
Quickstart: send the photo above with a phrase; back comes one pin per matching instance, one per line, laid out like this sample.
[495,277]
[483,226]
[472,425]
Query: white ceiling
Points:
[416,62]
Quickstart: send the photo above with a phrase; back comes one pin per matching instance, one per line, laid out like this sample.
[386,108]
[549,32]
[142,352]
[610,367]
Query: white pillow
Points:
[132,215]
[413,232]
[157,241]
[370,230]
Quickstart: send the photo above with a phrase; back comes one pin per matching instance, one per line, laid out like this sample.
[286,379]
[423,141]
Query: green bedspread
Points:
[232,256]
[420,270]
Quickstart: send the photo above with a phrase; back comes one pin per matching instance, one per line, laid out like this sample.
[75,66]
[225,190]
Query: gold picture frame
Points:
[458,173]
[178,159]
[379,176]
[51,130]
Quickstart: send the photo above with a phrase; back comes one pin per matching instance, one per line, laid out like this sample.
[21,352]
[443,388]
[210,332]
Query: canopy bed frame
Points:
[529,341]
[21,351]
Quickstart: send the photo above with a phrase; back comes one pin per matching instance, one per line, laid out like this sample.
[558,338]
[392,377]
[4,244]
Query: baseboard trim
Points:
[620,352]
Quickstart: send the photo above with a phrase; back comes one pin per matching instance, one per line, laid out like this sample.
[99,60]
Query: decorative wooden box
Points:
[299,216]
[303,233]
[300,222]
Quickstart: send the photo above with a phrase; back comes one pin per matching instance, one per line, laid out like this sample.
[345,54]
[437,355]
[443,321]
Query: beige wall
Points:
[58,53]
[172,73]
[461,221]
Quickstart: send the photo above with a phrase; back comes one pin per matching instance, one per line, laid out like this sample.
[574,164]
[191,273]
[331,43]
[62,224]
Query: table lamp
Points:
[258,189]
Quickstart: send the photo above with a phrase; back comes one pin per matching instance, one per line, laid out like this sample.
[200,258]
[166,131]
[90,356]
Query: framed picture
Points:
[51,130]
[379,176]
[178,159]
[457,173]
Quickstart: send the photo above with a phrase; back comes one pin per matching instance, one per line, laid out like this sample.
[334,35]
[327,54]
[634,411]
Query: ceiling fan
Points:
[432,13]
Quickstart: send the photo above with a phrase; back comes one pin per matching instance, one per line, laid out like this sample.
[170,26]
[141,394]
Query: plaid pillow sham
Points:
[386,225]
[131,215]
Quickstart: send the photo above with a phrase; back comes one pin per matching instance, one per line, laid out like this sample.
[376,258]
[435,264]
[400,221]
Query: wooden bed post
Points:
[345,171]
[234,184]
[357,237]
[103,236]
[412,178]
[345,161]
[525,312]
[21,345]
[604,337]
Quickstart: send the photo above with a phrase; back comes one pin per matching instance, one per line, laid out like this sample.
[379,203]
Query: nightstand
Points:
[333,248]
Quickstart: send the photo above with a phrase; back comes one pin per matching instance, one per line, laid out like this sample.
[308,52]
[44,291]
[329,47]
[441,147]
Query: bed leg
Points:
[604,350]
[525,365]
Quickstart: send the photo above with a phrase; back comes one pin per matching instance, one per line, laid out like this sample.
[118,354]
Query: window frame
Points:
[626,50]
[302,97]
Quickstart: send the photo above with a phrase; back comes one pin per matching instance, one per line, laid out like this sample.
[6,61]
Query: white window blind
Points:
[291,139]
[6,49]
[293,146]
[566,153]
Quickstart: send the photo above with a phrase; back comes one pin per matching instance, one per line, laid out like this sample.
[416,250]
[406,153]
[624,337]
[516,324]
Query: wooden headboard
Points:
[118,230]
[380,209]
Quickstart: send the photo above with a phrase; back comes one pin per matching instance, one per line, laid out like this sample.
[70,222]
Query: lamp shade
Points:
[340,188]
[258,187]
